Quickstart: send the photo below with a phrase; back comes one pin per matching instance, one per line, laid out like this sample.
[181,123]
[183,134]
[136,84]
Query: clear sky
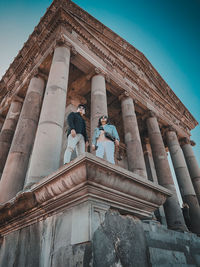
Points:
[166,32]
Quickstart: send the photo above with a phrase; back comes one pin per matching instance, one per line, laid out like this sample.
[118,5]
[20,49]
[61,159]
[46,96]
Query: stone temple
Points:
[90,212]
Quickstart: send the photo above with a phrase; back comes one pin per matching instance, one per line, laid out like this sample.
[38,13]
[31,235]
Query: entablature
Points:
[121,61]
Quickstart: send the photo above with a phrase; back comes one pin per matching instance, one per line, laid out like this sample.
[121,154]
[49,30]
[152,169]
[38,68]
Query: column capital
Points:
[186,141]
[170,128]
[99,71]
[16,98]
[151,114]
[61,41]
[125,94]
[183,141]
[192,143]
[39,73]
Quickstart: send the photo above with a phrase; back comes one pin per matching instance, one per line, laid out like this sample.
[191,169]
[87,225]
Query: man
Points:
[77,136]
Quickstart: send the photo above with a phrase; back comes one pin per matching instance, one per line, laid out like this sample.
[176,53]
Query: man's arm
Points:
[115,134]
[85,132]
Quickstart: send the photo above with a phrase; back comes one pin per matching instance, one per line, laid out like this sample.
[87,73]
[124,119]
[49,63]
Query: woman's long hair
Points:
[99,122]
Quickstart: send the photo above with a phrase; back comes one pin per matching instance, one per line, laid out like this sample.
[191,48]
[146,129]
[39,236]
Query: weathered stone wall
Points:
[118,241]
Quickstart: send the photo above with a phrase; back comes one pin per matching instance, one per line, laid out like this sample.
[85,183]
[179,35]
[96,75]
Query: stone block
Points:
[163,258]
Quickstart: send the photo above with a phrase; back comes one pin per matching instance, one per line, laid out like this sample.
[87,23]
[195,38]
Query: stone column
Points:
[134,150]
[183,178]
[172,208]
[8,131]
[46,153]
[17,161]
[151,174]
[98,100]
[192,164]
[148,158]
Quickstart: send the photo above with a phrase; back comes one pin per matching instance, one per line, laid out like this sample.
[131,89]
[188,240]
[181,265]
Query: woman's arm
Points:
[115,133]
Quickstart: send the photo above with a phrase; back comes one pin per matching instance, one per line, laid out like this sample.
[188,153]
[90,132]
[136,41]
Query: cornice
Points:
[104,44]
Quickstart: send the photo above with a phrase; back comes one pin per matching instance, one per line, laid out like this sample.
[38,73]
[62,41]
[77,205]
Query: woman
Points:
[104,139]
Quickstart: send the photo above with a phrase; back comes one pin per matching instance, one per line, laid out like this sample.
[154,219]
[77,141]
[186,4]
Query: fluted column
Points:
[172,208]
[134,150]
[98,100]
[8,130]
[48,142]
[183,178]
[192,164]
[14,173]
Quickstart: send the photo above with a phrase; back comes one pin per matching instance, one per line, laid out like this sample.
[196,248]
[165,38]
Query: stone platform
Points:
[85,179]
[91,213]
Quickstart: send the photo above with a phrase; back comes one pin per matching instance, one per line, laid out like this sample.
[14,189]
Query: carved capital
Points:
[192,143]
[170,128]
[186,141]
[98,71]
[151,114]
[61,41]
[17,99]
[125,94]
[39,73]
[183,141]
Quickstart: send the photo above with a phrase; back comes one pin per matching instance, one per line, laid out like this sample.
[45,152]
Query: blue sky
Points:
[166,32]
